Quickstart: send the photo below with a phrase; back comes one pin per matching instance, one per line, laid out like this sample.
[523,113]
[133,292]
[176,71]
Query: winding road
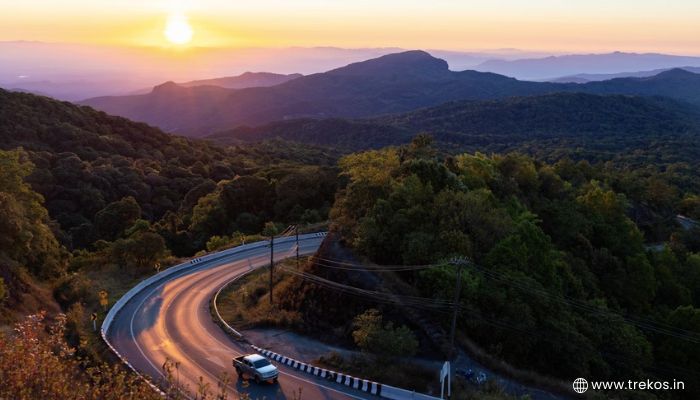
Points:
[170,319]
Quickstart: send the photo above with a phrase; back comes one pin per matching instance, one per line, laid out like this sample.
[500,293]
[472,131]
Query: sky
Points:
[669,26]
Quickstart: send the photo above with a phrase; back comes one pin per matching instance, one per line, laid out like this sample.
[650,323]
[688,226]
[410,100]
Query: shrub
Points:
[383,340]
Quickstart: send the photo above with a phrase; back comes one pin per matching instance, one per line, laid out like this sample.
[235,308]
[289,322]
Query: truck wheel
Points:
[257,379]
[238,371]
[274,380]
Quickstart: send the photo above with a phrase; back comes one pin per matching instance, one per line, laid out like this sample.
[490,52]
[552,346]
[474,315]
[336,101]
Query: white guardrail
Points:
[193,263]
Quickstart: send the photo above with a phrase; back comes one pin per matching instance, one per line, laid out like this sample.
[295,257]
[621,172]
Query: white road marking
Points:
[216,360]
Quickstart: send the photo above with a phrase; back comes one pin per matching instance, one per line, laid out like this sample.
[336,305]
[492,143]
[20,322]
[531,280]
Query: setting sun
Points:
[178,29]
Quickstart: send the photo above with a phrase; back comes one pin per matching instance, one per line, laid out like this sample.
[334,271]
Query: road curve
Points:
[170,319]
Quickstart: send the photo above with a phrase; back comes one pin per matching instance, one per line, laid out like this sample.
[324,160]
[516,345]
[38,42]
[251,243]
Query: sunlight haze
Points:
[575,26]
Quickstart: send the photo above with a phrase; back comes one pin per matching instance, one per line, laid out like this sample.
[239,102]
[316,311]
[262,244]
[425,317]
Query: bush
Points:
[75,289]
[37,365]
[383,341]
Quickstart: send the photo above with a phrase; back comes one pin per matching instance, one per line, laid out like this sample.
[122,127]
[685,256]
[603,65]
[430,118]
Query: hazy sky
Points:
[671,26]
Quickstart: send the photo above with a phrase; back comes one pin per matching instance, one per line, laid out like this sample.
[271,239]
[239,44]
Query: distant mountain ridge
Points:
[390,84]
[566,65]
[585,78]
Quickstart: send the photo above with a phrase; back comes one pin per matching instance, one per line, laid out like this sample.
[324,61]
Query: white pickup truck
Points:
[257,367]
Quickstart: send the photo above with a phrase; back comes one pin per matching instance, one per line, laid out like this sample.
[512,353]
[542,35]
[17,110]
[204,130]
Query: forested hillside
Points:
[99,174]
[632,132]
[493,123]
[91,202]
[559,280]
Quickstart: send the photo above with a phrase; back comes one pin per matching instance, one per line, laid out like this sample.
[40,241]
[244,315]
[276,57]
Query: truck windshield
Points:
[261,363]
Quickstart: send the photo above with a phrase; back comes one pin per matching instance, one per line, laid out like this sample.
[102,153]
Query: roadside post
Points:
[445,374]
[296,229]
[272,262]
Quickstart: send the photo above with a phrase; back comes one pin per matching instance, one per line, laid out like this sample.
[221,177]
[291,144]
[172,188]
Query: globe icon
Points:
[580,385]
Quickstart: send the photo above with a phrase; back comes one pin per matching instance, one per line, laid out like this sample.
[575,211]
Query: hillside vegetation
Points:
[560,281]
[99,174]
[90,202]
[493,123]
[631,132]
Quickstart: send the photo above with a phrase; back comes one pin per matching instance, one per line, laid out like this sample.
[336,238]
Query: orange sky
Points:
[669,26]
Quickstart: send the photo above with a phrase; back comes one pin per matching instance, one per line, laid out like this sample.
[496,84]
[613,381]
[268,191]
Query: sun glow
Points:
[178,30]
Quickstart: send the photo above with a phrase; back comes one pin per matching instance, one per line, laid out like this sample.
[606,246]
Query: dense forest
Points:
[559,281]
[98,174]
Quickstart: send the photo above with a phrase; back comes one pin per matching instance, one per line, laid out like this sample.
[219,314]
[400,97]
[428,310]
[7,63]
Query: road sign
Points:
[104,299]
[93,317]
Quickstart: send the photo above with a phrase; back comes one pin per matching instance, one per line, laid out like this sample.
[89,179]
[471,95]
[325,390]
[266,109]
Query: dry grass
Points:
[245,302]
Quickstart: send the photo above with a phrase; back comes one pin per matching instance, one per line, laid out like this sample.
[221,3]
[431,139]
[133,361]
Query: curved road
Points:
[171,319]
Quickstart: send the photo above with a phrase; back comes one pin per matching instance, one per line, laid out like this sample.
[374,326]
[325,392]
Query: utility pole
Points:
[296,230]
[272,261]
[459,263]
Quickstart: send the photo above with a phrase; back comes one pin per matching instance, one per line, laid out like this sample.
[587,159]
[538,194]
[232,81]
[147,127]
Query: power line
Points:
[443,307]
[640,322]
[326,264]
[382,297]
[374,267]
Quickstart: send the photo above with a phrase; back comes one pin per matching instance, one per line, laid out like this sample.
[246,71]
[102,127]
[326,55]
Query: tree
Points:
[209,216]
[146,248]
[270,229]
[25,235]
[36,362]
[383,340]
[217,242]
[112,220]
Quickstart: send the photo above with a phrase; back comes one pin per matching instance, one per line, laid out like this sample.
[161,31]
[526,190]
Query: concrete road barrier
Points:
[377,389]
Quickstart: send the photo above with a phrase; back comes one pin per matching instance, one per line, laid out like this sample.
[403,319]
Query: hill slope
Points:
[676,83]
[245,80]
[491,123]
[86,160]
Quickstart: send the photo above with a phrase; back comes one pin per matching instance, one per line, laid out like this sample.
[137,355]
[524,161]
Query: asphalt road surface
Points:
[170,320]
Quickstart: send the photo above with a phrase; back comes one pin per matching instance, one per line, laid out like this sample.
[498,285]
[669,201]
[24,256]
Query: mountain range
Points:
[565,65]
[390,84]
[585,78]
